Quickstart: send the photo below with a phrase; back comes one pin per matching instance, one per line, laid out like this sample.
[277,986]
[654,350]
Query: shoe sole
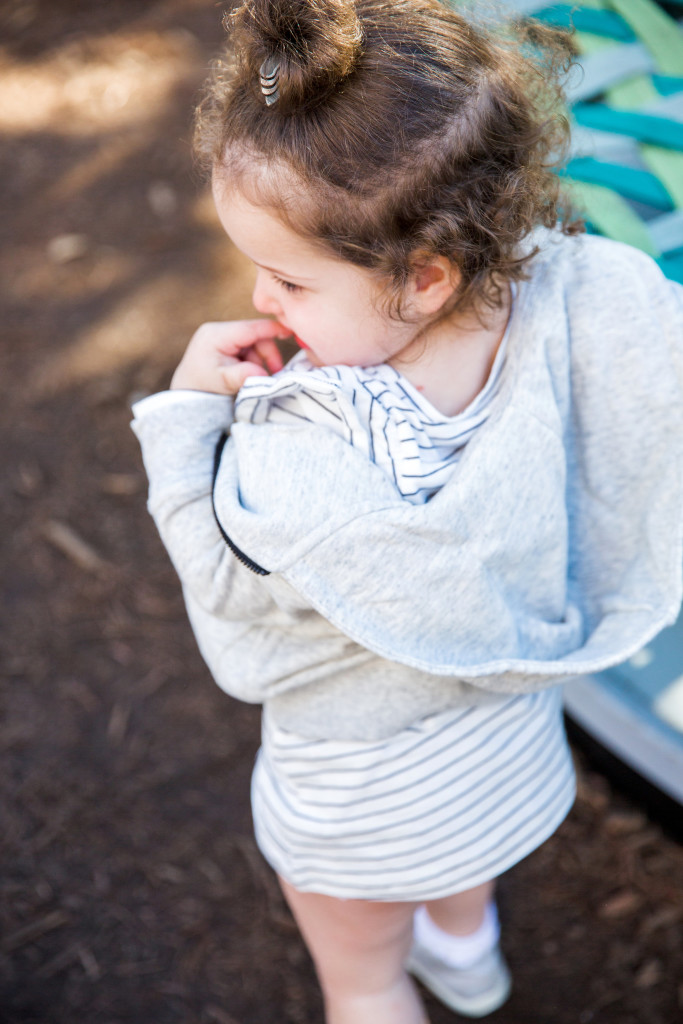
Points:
[469,1006]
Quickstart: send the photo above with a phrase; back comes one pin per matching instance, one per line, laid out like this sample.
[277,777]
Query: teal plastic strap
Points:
[660,131]
[633,184]
[672,266]
[667,85]
[586,19]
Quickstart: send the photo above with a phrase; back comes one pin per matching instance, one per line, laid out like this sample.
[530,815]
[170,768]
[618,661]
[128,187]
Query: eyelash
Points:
[287,285]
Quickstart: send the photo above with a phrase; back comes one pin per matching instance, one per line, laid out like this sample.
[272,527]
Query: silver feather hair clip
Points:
[269,78]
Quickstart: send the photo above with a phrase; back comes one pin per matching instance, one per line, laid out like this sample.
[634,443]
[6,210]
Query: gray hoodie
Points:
[554,549]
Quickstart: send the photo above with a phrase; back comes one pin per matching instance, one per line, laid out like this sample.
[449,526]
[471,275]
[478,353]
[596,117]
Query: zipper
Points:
[237,552]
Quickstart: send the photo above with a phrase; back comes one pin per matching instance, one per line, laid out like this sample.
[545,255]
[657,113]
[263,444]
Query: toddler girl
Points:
[463,489]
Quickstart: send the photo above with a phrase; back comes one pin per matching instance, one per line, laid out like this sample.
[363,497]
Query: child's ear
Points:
[432,283]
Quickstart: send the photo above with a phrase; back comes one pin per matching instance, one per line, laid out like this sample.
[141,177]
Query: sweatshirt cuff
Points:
[179,398]
[178,429]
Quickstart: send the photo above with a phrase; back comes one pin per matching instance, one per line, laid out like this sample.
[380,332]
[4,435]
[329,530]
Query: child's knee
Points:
[373,934]
[356,944]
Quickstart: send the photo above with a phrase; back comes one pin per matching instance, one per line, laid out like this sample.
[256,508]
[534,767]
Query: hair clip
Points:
[269,76]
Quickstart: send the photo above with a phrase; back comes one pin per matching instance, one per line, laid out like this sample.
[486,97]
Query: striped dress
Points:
[458,797]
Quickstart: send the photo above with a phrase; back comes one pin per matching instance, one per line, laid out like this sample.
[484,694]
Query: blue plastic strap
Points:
[607,67]
[667,232]
[607,146]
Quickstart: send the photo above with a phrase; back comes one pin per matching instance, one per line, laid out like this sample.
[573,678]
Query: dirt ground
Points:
[131,888]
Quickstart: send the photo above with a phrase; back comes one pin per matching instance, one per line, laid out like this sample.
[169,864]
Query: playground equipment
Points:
[625,172]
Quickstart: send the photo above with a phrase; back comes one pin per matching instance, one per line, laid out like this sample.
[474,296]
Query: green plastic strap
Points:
[611,215]
[588,43]
[632,93]
[668,167]
[641,186]
[601,23]
[659,131]
[656,29]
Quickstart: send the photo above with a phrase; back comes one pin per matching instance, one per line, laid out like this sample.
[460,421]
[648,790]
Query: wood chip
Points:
[118,723]
[29,480]
[65,248]
[77,690]
[153,605]
[663,918]
[170,873]
[620,823]
[66,540]
[648,836]
[34,929]
[63,959]
[220,1016]
[649,975]
[591,792]
[120,483]
[211,871]
[621,904]
[134,970]
[90,965]
[173,988]
[152,682]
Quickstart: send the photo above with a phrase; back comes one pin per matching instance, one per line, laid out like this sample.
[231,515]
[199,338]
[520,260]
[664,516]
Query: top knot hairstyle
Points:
[393,131]
[314,44]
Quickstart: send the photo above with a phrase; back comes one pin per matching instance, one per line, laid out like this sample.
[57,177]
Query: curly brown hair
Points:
[402,130]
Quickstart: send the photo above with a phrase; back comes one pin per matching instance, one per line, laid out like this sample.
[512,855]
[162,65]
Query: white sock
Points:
[459,951]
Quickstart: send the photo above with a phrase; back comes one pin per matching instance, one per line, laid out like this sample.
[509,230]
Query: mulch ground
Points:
[131,890]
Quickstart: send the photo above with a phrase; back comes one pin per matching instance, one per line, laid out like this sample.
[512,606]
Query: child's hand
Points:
[221,356]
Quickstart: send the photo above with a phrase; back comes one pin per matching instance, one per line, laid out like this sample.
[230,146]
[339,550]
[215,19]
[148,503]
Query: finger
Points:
[235,336]
[235,375]
[268,351]
[251,355]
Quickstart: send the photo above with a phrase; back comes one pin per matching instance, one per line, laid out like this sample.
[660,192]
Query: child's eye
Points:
[287,285]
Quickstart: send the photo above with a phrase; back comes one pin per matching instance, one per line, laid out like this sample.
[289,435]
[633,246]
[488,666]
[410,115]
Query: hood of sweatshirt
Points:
[556,546]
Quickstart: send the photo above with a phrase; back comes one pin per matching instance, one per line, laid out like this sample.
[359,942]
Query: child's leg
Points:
[463,913]
[456,952]
[358,948]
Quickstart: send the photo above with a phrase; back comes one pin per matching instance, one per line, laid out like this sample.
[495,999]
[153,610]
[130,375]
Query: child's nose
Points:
[263,299]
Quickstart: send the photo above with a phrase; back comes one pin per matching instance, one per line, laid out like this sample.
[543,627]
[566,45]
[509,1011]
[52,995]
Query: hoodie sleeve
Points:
[179,432]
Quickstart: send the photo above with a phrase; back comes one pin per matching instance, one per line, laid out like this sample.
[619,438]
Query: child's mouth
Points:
[295,337]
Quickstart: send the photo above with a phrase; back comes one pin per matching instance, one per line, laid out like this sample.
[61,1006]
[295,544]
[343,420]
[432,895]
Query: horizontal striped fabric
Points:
[443,806]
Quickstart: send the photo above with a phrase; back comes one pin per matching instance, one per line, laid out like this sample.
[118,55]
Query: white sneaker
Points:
[474,992]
